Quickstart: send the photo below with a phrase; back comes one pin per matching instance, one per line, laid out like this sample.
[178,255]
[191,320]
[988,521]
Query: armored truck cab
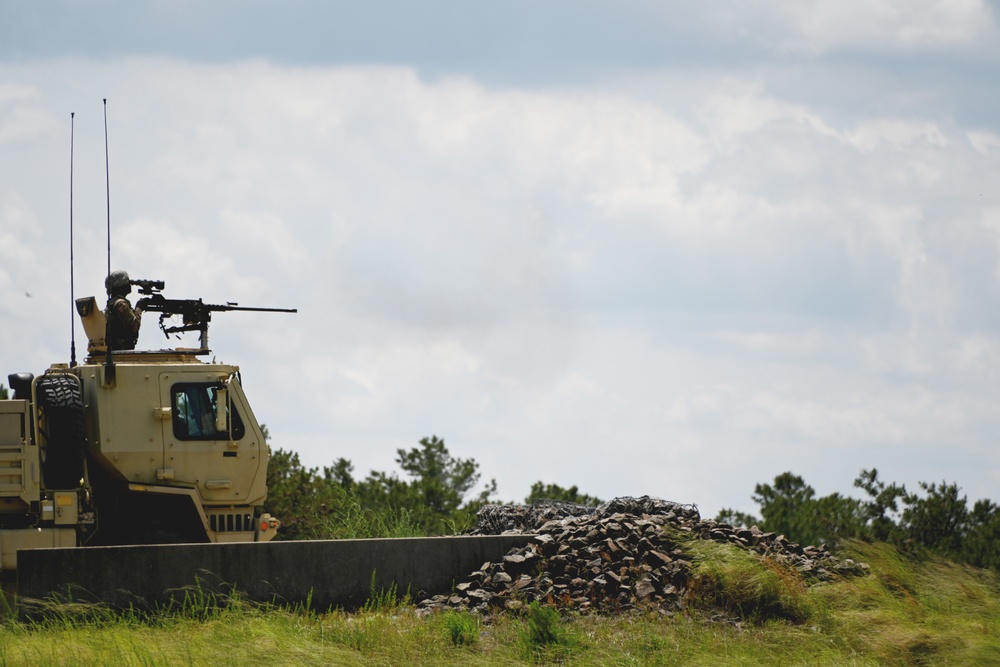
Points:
[142,448]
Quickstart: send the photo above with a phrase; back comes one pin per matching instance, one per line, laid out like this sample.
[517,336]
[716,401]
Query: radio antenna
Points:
[72,292]
[109,362]
[107,180]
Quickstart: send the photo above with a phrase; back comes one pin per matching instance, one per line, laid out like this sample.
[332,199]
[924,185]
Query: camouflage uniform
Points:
[123,323]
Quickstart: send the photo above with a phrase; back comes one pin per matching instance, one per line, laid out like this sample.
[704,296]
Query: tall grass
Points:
[462,627]
[384,600]
[746,585]
[545,639]
[352,521]
[906,613]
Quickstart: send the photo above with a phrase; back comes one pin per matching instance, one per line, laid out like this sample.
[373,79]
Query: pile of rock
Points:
[622,555]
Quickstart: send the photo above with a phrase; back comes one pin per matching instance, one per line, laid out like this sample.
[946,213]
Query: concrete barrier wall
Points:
[327,573]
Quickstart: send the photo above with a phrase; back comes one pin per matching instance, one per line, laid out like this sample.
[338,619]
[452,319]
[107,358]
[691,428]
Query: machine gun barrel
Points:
[195,313]
[236,306]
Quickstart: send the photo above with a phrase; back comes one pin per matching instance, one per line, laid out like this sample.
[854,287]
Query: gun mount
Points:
[194,313]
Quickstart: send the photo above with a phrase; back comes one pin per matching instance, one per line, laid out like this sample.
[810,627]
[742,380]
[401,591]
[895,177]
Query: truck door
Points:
[205,439]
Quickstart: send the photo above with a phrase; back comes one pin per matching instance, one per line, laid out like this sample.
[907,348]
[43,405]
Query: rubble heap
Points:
[622,555]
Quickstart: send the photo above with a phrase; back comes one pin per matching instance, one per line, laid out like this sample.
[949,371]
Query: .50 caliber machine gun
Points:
[195,315]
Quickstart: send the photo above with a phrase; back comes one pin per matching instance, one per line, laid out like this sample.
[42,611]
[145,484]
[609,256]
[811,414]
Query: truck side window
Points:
[194,410]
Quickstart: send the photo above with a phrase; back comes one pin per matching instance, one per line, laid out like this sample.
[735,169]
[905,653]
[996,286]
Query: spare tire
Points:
[60,418]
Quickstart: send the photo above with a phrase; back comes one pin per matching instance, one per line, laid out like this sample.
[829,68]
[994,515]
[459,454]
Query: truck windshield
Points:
[195,407]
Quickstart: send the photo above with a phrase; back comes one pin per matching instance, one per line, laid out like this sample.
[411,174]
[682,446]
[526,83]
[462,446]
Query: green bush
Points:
[543,625]
[545,639]
[462,627]
[745,584]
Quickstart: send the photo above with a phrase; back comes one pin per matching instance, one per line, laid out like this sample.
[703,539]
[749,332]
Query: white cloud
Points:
[266,232]
[578,285]
[18,240]
[21,119]
[984,142]
[740,108]
[820,26]
[895,133]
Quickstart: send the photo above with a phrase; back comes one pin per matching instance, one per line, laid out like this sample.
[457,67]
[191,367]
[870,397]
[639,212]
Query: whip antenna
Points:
[107,180]
[72,293]
[109,362]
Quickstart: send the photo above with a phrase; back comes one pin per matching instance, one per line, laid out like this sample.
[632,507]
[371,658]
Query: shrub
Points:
[545,640]
[462,627]
[745,584]
[543,625]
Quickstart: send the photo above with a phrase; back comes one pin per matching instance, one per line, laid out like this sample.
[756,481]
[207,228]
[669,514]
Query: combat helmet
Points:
[118,283]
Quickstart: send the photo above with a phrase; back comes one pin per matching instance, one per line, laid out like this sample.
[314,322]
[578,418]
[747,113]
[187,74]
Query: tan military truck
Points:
[131,448]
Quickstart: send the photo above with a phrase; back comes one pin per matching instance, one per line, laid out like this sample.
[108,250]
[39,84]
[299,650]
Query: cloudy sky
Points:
[661,248]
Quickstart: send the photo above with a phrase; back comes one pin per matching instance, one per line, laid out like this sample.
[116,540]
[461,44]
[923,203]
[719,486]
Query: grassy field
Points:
[904,613]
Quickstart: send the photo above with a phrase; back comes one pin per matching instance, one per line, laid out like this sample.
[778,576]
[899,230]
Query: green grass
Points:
[546,639]
[352,521]
[905,613]
[744,585]
[386,601]
[462,627]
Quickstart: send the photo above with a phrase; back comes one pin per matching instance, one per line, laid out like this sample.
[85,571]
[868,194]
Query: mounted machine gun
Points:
[195,314]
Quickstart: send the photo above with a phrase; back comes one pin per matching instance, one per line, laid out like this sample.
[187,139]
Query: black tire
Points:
[60,406]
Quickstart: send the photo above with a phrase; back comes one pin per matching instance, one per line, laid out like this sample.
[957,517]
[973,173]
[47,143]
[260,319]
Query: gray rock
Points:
[613,557]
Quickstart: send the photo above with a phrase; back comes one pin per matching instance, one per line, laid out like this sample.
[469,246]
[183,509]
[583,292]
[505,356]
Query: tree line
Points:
[436,494]
[436,497]
[937,518]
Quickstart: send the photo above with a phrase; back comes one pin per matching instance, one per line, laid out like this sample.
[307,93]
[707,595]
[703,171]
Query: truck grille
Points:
[231,523]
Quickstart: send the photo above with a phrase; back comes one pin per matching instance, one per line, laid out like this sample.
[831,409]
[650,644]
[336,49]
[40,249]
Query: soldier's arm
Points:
[130,319]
